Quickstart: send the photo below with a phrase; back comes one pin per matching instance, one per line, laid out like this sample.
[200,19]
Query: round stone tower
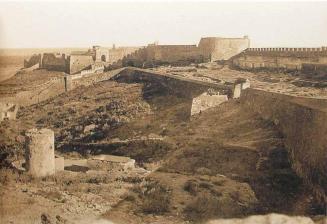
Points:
[40,158]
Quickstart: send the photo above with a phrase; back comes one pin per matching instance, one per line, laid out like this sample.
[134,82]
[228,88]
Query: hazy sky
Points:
[83,24]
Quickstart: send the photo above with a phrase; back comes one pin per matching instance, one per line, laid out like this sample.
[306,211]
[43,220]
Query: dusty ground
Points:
[224,162]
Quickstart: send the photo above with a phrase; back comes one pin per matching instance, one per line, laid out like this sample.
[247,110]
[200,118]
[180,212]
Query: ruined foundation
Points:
[40,158]
[206,101]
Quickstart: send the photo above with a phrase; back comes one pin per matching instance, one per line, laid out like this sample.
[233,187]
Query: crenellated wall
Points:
[315,59]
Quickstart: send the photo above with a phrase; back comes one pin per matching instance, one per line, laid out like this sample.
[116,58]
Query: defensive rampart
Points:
[217,48]
[303,123]
[309,60]
[153,55]
[55,62]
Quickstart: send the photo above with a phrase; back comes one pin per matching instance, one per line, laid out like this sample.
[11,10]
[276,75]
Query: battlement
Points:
[287,49]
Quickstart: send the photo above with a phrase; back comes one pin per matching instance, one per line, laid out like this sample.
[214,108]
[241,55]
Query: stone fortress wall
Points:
[305,59]
[79,62]
[218,48]
[303,124]
[35,59]
[155,54]
[208,49]
[55,62]
[116,54]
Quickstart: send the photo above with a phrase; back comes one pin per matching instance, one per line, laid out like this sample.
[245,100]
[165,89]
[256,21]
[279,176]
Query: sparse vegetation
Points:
[154,197]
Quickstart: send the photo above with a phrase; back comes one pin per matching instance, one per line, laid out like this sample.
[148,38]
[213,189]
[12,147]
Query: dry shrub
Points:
[155,198]
[191,186]
[203,206]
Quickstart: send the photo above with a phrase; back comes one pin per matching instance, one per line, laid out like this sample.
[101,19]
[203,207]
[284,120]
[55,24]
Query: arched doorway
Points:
[103,58]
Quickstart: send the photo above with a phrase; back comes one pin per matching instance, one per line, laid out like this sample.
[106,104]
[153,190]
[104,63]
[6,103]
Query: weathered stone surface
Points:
[40,158]
[110,162]
[8,111]
[206,101]
[59,163]
[239,86]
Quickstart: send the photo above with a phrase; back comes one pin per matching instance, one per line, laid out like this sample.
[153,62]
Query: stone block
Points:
[59,163]
[206,101]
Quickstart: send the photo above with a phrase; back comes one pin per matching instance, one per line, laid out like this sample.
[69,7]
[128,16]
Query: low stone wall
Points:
[37,93]
[303,123]
[56,86]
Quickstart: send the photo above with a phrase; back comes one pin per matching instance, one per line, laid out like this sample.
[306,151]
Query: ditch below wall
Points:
[303,123]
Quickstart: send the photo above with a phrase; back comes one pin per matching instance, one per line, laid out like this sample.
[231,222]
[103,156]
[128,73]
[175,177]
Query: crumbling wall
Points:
[216,48]
[206,101]
[116,54]
[8,111]
[35,59]
[303,123]
[40,158]
[78,63]
[55,62]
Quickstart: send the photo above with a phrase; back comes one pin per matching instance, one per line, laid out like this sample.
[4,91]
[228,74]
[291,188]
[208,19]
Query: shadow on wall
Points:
[303,122]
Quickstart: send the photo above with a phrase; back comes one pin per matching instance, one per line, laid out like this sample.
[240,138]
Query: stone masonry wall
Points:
[79,62]
[217,48]
[303,123]
[281,58]
[54,62]
[35,59]
[116,54]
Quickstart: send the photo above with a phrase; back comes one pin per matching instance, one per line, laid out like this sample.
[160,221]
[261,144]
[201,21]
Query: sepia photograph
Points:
[163,112]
